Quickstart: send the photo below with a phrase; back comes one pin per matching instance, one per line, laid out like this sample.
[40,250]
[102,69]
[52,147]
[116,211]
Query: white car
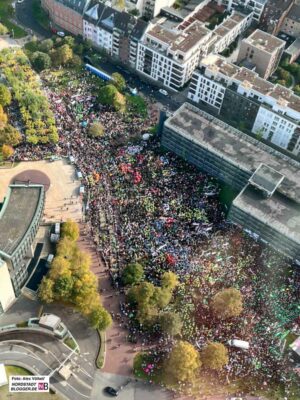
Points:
[61,34]
[20,1]
[163,91]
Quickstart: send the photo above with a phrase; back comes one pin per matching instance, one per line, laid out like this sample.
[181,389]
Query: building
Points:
[268,204]
[20,217]
[116,32]
[263,50]
[293,51]
[274,14]
[149,8]
[241,98]
[257,6]
[67,14]
[170,55]
[7,294]
[291,24]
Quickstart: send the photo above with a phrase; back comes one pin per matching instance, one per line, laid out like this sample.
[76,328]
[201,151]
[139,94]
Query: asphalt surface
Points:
[25,16]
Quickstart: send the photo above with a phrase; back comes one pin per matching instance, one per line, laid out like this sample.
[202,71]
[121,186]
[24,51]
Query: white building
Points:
[257,6]
[7,295]
[271,111]
[149,8]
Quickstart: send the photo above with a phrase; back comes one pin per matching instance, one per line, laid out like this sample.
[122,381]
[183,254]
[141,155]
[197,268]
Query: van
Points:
[81,190]
[79,175]
[57,228]
[50,259]
[240,344]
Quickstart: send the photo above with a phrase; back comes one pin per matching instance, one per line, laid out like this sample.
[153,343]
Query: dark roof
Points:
[17,214]
[139,29]
[76,5]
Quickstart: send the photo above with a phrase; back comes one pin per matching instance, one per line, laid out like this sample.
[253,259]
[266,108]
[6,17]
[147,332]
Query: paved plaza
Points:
[62,198]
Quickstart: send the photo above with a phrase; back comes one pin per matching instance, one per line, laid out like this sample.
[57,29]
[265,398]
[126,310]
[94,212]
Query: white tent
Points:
[3,377]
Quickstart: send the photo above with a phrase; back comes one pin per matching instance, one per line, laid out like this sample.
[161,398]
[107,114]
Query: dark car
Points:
[111,391]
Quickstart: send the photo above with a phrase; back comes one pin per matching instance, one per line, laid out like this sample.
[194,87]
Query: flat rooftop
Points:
[277,211]
[264,41]
[17,213]
[251,80]
[238,148]
[266,179]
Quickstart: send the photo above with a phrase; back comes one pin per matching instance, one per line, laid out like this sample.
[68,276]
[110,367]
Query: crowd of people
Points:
[143,204]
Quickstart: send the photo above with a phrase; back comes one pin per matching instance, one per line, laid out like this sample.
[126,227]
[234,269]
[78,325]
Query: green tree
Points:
[3,29]
[96,129]
[183,362]
[215,356]
[3,118]
[107,95]
[63,286]
[169,280]
[5,95]
[119,81]
[133,273]
[227,303]
[119,103]
[69,40]
[45,290]
[70,229]
[62,55]
[7,151]
[75,61]
[170,323]
[10,135]
[100,318]
[40,61]
[46,45]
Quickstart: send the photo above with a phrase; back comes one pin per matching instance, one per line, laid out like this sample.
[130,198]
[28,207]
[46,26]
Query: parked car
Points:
[163,91]
[111,391]
[61,34]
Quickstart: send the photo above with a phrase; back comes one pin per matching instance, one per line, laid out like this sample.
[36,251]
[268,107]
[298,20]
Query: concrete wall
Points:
[7,295]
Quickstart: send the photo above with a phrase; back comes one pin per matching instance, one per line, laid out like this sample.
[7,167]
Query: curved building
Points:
[20,217]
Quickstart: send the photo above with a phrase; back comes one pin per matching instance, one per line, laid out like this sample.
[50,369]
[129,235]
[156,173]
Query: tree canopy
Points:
[7,151]
[183,362]
[70,229]
[133,273]
[5,95]
[170,323]
[119,81]
[227,303]
[10,135]
[110,96]
[96,129]
[215,356]
[40,61]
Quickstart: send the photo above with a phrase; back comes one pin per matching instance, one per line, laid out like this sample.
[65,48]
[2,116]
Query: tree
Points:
[119,81]
[45,290]
[107,95]
[119,102]
[10,135]
[40,61]
[183,362]
[3,118]
[63,55]
[96,129]
[215,356]
[3,29]
[7,151]
[227,303]
[133,274]
[170,323]
[46,45]
[70,229]
[63,286]
[169,280]
[75,61]
[70,41]
[5,95]
[100,318]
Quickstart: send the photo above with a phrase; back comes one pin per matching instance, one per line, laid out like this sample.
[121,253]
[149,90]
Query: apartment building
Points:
[67,14]
[291,24]
[263,50]
[257,6]
[116,32]
[267,206]
[242,98]
[149,8]
[274,14]
[170,55]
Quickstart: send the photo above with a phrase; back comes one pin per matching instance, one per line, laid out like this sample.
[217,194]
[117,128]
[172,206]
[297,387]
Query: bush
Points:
[96,129]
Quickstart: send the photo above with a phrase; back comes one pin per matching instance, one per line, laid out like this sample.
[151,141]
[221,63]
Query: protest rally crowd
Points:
[147,205]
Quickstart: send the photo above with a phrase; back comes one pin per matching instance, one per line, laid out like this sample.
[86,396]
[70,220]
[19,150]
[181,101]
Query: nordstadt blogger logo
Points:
[29,384]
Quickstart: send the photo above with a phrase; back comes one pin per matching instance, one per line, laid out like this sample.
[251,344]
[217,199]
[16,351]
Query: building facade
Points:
[268,204]
[291,24]
[67,14]
[274,14]
[20,218]
[149,8]
[242,98]
[263,50]
[257,6]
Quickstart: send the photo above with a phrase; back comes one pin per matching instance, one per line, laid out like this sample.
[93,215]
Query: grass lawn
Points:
[70,343]
[5,395]
[4,18]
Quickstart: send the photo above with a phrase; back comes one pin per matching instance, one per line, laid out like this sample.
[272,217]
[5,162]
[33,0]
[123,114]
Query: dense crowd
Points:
[143,204]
